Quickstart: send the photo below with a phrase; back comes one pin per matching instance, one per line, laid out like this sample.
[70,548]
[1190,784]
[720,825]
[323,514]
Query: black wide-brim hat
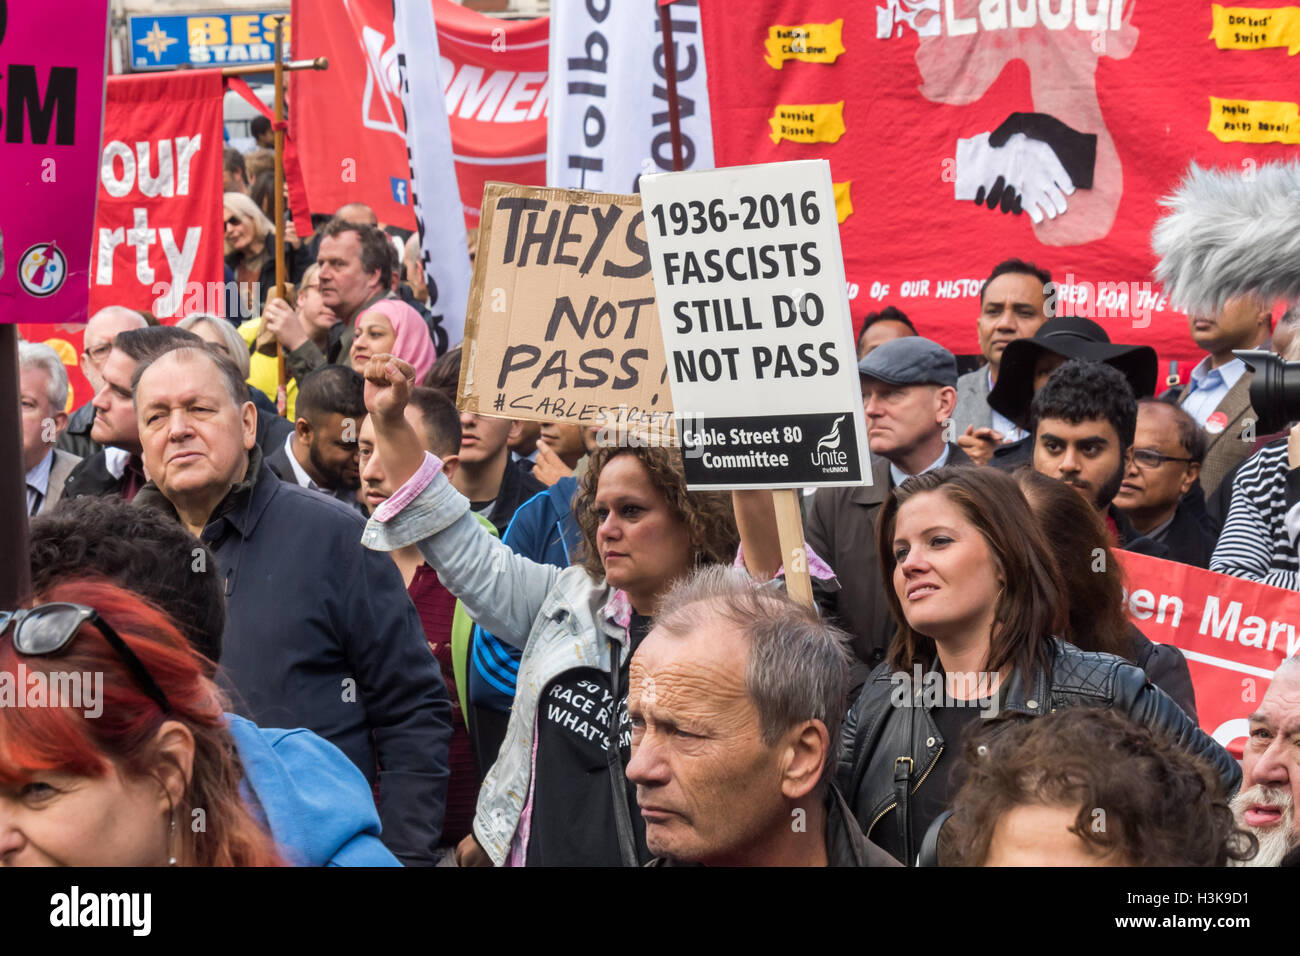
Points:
[1073,338]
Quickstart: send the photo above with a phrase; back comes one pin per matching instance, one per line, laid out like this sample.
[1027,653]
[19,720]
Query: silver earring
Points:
[171,839]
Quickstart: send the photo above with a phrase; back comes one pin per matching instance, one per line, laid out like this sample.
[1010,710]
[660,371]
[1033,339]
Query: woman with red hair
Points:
[127,750]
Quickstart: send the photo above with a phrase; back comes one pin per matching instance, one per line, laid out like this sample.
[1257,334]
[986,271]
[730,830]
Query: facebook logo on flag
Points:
[399,190]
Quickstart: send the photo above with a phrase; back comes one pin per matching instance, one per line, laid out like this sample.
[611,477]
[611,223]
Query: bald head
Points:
[102,328]
[357,212]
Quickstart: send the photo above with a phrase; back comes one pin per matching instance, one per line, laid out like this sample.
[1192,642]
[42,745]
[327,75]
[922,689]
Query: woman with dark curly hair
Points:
[556,794]
[1088,787]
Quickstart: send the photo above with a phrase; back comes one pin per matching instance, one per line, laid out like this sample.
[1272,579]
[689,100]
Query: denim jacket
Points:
[563,612]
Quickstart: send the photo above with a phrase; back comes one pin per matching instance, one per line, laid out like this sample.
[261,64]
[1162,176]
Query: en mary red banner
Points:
[1233,632]
[1081,114]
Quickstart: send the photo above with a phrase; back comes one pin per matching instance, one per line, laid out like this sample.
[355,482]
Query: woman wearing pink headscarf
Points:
[390,325]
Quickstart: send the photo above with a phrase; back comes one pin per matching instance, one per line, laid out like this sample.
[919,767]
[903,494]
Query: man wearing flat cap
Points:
[1027,363]
[908,394]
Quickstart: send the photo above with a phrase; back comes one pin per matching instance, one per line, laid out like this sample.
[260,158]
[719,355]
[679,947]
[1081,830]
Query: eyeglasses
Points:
[1152,460]
[49,628]
[233,221]
[99,352]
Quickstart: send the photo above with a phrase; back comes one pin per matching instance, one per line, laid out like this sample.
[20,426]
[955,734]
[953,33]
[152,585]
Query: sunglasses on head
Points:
[48,628]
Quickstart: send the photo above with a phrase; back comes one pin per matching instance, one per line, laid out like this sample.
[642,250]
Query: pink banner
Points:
[49,155]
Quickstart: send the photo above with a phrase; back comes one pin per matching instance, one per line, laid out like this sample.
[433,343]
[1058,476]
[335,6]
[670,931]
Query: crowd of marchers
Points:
[342,623]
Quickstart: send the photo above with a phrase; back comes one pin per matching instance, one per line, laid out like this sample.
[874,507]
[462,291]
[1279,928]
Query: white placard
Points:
[755,316]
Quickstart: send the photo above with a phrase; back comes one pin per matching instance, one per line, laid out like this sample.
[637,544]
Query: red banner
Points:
[1090,109]
[158,233]
[1233,632]
[494,78]
[348,120]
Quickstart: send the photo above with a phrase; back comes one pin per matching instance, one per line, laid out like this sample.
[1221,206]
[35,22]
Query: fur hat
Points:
[1229,233]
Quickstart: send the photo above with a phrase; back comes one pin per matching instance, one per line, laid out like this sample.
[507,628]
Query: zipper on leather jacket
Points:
[894,803]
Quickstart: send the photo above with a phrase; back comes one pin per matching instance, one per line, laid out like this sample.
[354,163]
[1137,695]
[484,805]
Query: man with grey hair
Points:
[1270,769]
[43,395]
[736,697]
[320,631]
[97,342]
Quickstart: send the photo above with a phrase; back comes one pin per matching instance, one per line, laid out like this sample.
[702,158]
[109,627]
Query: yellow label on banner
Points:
[1254,121]
[810,123]
[810,42]
[843,203]
[1255,28]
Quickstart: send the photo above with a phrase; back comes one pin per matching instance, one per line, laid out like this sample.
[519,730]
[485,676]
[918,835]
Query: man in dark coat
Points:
[908,395]
[320,632]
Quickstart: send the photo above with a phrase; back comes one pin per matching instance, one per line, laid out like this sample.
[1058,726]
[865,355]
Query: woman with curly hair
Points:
[557,794]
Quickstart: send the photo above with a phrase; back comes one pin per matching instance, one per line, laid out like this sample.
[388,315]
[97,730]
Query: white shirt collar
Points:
[299,474]
[899,476]
[1230,372]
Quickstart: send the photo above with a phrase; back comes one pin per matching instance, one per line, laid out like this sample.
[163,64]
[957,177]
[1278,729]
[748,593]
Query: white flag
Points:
[609,96]
[434,193]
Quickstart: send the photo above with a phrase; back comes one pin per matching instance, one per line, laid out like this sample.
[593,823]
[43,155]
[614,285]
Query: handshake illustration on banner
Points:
[1030,163]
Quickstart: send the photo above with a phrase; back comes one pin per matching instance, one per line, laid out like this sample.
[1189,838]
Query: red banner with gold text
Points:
[1079,113]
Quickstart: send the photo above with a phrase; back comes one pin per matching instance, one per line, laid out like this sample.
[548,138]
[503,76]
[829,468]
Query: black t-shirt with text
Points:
[573,803]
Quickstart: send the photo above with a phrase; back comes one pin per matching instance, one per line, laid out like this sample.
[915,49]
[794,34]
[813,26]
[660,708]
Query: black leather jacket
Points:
[888,750]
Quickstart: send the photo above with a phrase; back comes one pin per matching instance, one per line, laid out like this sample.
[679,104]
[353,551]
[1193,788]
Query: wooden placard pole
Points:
[794,554]
[15,558]
[281,370]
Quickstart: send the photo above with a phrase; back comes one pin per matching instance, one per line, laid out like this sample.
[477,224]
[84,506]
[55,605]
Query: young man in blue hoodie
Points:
[306,792]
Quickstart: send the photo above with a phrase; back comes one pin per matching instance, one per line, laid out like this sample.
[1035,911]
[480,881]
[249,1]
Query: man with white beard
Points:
[1270,765]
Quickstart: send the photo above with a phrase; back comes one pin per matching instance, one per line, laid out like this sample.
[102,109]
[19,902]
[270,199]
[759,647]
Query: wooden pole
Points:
[320,63]
[670,71]
[15,558]
[281,371]
[794,555]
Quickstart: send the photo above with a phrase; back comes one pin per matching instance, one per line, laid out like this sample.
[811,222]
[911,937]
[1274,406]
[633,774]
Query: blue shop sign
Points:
[207,39]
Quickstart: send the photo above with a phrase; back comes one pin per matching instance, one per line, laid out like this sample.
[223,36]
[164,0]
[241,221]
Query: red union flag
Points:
[158,235]
[1233,632]
[349,124]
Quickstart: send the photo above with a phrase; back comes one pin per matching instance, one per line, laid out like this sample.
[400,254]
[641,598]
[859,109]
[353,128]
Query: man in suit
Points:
[1013,304]
[1218,395]
[117,468]
[320,454]
[908,394]
[98,342]
[43,395]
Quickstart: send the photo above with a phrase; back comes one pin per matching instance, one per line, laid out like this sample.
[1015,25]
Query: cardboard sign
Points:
[1233,632]
[756,326]
[561,324]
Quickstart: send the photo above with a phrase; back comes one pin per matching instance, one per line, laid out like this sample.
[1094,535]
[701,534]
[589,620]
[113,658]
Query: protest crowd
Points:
[351,620]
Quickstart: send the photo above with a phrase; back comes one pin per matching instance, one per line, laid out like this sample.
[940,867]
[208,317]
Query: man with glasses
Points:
[98,341]
[1159,493]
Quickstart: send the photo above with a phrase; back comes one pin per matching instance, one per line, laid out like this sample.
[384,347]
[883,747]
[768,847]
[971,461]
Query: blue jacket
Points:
[545,530]
[320,633]
[315,803]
